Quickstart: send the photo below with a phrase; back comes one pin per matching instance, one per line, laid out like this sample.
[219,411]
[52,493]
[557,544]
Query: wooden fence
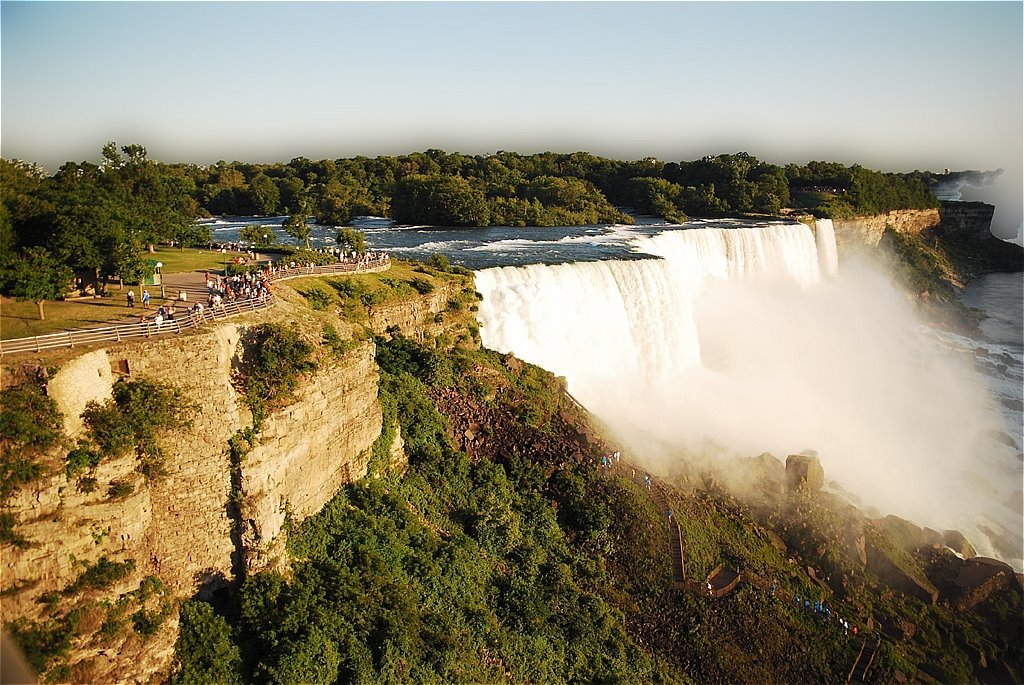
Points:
[182,321]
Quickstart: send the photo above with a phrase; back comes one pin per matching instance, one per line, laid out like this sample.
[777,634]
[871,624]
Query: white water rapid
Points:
[750,339]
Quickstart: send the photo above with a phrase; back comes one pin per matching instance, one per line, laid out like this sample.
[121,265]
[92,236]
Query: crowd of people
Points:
[254,285]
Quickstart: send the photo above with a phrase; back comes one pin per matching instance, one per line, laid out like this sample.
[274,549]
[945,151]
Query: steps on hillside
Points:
[866,657]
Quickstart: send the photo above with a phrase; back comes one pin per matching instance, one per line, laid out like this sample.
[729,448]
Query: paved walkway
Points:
[129,324]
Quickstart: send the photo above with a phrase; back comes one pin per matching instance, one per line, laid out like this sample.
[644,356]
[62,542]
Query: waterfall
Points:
[825,237]
[733,338]
[632,318]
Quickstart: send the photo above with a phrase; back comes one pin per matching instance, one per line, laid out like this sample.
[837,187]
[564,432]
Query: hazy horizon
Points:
[890,86]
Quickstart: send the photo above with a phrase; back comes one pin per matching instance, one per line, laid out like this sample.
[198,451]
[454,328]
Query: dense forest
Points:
[99,218]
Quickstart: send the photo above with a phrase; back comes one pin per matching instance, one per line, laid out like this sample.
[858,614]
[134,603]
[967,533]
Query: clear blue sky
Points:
[896,86]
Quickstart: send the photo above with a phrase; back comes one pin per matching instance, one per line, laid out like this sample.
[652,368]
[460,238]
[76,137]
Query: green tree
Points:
[205,652]
[297,225]
[350,239]
[263,195]
[339,200]
[258,235]
[439,201]
[36,276]
[93,224]
[26,214]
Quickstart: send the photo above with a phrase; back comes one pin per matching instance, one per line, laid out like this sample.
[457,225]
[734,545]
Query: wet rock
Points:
[908,536]
[956,541]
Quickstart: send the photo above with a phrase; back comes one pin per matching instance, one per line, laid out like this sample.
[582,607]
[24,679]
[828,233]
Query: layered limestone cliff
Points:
[306,452]
[200,525]
[419,318]
[868,230]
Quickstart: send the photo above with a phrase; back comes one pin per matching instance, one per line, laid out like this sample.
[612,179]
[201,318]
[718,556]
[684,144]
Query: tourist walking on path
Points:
[145,299]
[131,298]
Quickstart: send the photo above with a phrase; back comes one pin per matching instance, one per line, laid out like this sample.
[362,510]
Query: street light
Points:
[159,266]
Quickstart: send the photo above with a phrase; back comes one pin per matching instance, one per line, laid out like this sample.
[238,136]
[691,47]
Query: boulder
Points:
[979,579]
[804,472]
[956,541]
[897,569]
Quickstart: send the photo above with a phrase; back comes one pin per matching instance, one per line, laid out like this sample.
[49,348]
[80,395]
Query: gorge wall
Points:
[868,230]
[193,528]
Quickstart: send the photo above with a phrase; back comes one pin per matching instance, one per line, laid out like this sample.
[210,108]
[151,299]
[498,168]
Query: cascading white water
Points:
[825,237]
[733,337]
[600,322]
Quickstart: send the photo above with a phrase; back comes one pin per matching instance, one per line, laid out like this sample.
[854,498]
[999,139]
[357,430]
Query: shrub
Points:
[119,489]
[81,458]
[100,575]
[304,257]
[422,285]
[8,535]
[45,641]
[440,262]
[133,419]
[318,297]
[30,424]
[338,345]
[275,359]
[87,484]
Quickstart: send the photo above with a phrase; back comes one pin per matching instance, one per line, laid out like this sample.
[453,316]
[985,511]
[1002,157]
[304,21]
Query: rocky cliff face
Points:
[968,218]
[417,319]
[306,452]
[868,230]
[182,528]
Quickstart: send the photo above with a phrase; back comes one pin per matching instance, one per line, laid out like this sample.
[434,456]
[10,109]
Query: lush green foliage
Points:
[100,575]
[304,257]
[30,425]
[206,653]
[83,614]
[44,641]
[338,345]
[458,573]
[318,296]
[657,196]
[133,419]
[275,359]
[440,201]
[34,275]
[837,191]
[100,219]
[258,235]
[349,239]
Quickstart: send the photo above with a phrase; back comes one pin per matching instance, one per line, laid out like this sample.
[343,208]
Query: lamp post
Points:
[159,273]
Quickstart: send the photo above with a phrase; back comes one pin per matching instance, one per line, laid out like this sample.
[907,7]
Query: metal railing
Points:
[182,321]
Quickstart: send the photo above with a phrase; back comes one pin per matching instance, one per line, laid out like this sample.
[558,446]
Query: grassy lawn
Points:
[189,259]
[21,319]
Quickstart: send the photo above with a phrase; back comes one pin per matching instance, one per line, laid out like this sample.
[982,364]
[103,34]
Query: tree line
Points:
[100,218]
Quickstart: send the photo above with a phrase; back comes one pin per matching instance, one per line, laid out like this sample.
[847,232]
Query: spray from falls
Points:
[750,339]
